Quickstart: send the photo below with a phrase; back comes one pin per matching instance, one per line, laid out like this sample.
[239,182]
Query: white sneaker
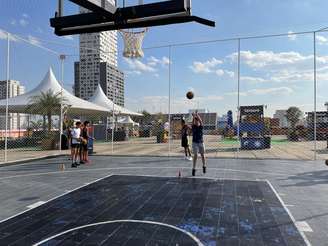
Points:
[189,158]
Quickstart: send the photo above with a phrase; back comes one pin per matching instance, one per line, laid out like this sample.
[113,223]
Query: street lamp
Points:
[326,105]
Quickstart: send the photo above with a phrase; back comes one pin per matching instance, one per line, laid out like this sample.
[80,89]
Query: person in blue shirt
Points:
[198,142]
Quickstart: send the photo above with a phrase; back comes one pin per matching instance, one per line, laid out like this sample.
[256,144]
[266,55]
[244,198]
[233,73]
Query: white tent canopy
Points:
[127,121]
[102,100]
[76,105]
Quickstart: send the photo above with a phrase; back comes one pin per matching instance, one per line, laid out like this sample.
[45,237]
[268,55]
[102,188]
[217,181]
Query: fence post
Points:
[62,59]
[315,94]
[7,96]
[169,108]
[238,101]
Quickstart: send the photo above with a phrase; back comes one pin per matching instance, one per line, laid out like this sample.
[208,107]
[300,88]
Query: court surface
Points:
[141,201]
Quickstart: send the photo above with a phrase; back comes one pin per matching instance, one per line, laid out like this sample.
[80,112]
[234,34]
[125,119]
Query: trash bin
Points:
[64,142]
[90,146]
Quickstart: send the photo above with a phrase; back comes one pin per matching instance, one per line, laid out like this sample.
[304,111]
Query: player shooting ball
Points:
[198,141]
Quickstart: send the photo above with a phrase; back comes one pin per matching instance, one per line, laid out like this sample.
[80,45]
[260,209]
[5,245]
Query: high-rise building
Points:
[14,89]
[281,115]
[98,59]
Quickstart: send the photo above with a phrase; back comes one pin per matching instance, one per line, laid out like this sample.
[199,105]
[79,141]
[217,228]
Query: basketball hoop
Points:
[133,43]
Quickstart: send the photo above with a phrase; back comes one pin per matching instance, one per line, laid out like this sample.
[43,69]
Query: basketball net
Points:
[133,43]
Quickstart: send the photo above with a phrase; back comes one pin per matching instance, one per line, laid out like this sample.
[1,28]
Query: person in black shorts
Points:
[76,140]
[84,142]
[184,139]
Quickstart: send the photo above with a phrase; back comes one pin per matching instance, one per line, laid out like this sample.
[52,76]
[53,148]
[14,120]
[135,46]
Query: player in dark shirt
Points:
[198,142]
[184,139]
[84,143]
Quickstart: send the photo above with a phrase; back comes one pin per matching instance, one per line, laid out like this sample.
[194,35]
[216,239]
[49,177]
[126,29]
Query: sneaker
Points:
[204,169]
[193,172]
[189,158]
[82,162]
[74,165]
[77,164]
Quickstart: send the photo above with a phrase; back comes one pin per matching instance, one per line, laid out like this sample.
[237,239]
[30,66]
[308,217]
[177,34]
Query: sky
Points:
[276,72]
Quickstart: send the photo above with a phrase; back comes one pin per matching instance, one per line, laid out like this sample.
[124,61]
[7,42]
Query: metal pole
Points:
[315,93]
[7,95]
[62,59]
[113,124]
[238,100]
[169,109]
[60,8]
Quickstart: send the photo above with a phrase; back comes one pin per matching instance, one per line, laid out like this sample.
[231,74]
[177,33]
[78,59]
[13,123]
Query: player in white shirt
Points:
[76,141]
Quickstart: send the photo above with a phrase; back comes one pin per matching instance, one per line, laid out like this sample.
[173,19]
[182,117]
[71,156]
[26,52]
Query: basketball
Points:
[190,95]
[326,162]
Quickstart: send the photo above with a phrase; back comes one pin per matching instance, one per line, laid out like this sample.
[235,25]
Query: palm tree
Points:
[46,104]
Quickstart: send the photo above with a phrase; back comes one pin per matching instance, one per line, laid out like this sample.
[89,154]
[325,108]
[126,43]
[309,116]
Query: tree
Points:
[46,104]
[293,115]
[145,113]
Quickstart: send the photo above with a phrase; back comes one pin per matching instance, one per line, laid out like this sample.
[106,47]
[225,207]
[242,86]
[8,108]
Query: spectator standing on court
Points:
[76,140]
[184,139]
[198,142]
[84,142]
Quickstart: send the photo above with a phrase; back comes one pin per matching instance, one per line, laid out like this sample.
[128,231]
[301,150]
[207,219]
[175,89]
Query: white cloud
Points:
[272,91]
[191,89]
[254,80]
[69,37]
[23,22]
[291,36]
[136,72]
[137,65]
[230,73]
[283,67]
[322,40]
[33,40]
[157,104]
[235,93]
[25,15]
[13,22]
[153,61]
[264,91]
[210,98]
[270,59]
[205,67]
[219,72]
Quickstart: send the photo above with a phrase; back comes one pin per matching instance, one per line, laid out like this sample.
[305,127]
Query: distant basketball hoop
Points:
[133,43]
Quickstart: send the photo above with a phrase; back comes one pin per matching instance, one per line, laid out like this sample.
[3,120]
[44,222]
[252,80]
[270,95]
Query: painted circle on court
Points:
[120,231]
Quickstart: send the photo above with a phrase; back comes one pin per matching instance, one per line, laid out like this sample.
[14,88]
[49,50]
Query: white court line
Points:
[122,221]
[37,204]
[56,198]
[303,226]
[148,167]
[307,242]
[188,177]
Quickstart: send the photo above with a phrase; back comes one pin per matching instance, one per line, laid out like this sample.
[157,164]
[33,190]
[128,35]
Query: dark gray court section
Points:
[217,212]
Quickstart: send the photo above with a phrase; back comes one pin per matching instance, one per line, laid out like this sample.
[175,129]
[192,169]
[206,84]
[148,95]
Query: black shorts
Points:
[184,143]
[84,147]
[75,146]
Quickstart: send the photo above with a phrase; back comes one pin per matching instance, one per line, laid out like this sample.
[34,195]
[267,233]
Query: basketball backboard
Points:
[104,16]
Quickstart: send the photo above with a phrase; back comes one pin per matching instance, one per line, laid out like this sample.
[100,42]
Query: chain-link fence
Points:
[255,100]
